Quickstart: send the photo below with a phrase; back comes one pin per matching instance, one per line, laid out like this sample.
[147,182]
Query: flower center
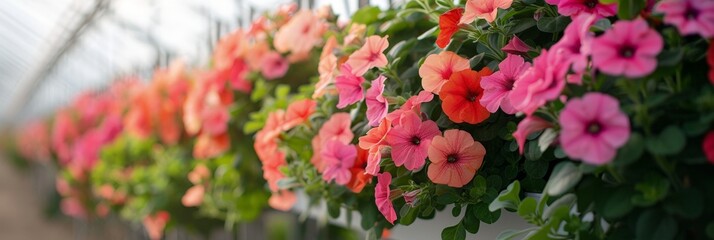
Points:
[452,158]
[446,74]
[594,128]
[471,96]
[373,57]
[416,140]
[591,3]
[509,84]
[627,51]
[691,13]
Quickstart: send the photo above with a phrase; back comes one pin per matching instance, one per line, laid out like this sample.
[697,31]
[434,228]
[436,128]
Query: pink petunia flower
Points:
[338,158]
[382,197]
[411,197]
[369,56]
[499,85]
[484,9]
[375,142]
[274,66]
[529,125]
[543,82]
[577,41]
[155,224]
[629,48]
[413,104]
[376,103]
[337,128]
[349,87]
[708,146]
[516,46]
[577,7]
[455,158]
[689,16]
[437,69]
[410,140]
[593,128]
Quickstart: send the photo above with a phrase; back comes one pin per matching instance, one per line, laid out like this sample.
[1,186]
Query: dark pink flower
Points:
[689,16]
[382,197]
[629,48]
[498,86]
[577,41]
[412,104]
[543,82]
[708,146]
[338,158]
[577,7]
[274,66]
[516,46]
[376,103]
[529,125]
[410,140]
[349,86]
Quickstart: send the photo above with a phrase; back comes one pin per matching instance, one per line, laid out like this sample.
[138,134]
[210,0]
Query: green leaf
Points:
[631,151]
[475,60]
[527,208]
[710,230]
[333,209]
[532,151]
[564,177]
[670,141]
[651,190]
[484,213]
[553,24]
[366,15]
[608,1]
[456,232]
[369,216]
[520,25]
[407,215]
[456,210]
[629,9]
[670,57]
[617,204]
[687,203]
[536,169]
[428,33]
[470,221]
[566,201]
[479,187]
[508,198]
[654,225]
[514,234]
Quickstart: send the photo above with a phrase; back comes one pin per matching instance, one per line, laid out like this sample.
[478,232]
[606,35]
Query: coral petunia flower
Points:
[437,69]
[516,46]
[413,104]
[529,125]
[155,224]
[369,56]
[274,66]
[349,86]
[376,103]
[708,146]
[300,34]
[448,26]
[689,16]
[299,112]
[374,141]
[193,196]
[497,86]
[211,146]
[593,128]
[282,200]
[485,9]
[359,178]
[337,128]
[382,197]
[326,68]
[461,96]
[338,158]
[629,48]
[410,140]
[455,158]
[577,7]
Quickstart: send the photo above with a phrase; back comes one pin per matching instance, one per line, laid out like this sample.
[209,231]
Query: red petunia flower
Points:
[448,26]
[461,95]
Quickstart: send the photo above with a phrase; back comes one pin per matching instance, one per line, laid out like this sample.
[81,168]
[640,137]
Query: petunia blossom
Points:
[300,34]
[376,103]
[710,61]
[410,140]
[461,96]
[155,224]
[282,200]
[483,9]
[413,104]
[576,42]
[193,196]
[274,66]
[593,128]
[448,26]
[529,125]
[708,146]
[299,112]
[455,158]
[516,46]
[337,128]
[369,56]
[437,69]
[349,86]
[359,178]
[374,141]
[211,146]
[575,8]
[382,197]
[629,48]
[498,86]
[338,158]
[543,82]
[689,16]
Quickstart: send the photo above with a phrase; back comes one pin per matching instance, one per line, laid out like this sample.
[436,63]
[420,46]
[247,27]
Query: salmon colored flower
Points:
[377,105]
[211,146]
[282,200]
[455,158]
[337,128]
[382,197]
[71,206]
[629,48]
[326,68]
[413,104]
[497,86]
[448,26]
[410,140]
[437,69]
[338,158]
[349,86]
[593,128]
[577,7]
[155,224]
[274,66]
[299,112]
[529,125]
[483,9]
[359,178]
[199,174]
[516,46]
[369,56]
[193,196]
[461,96]
[689,16]
[355,34]
[374,141]
[300,34]
[708,146]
